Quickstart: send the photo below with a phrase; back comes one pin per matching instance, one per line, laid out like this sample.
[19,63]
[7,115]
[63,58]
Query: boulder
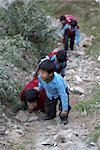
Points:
[21,116]
[78,90]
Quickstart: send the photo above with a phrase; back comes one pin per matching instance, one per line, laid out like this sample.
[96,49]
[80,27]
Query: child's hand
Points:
[64,113]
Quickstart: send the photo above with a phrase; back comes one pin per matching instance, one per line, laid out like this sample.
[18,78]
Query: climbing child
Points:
[56,89]
[70,31]
[31,97]
[59,59]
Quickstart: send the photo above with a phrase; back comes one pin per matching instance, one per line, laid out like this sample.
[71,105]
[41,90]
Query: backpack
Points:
[54,52]
[69,18]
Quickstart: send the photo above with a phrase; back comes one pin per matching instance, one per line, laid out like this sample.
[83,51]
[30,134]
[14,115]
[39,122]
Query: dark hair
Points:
[62,18]
[61,56]
[47,65]
[31,95]
[73,23]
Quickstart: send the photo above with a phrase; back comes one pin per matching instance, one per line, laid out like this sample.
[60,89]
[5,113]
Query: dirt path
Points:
[33,134]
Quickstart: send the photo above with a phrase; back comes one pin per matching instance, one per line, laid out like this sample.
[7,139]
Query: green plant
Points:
[31,22]
[89,105]
[94,136]
[25,35]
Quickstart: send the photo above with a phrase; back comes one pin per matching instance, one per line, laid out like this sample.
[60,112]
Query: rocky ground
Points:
[28,132]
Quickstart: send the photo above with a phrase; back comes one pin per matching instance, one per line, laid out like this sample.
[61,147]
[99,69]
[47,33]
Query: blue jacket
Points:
[55,88]
[76,30]
[57,65]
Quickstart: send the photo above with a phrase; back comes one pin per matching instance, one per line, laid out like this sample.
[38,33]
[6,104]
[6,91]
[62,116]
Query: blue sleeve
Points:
[77,36]
[53,58]
[64,29]
[63,95]
[40,85]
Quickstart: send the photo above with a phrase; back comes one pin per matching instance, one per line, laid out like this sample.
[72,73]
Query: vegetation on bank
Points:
[25,36]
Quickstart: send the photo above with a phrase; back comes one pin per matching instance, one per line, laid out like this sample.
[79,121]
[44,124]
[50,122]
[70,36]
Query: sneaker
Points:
[64,120]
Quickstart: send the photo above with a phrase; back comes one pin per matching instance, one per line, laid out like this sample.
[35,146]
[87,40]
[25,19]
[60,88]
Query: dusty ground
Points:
[33,134]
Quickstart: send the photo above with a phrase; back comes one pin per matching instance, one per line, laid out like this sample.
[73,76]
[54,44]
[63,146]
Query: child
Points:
[70,30]
[59,59]
[55,88]
[33,99]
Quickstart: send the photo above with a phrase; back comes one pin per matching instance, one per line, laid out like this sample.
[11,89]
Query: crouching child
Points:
[33,99]
[56,89]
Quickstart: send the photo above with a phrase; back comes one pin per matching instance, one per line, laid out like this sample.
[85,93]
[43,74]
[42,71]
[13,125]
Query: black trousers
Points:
[72,39]
[50,105]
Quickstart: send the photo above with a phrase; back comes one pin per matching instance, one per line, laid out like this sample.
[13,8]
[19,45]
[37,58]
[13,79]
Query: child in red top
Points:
[33,99]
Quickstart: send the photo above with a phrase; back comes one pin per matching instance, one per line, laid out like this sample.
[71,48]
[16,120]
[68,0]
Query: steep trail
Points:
[33,134]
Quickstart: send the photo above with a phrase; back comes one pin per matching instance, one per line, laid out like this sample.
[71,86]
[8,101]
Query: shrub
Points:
[25,35]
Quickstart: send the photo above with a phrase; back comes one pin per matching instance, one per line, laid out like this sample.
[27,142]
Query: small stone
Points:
[71,89]
[47,142]
[34,118]
[92,144]
[78,90]
[55,144]
[78,53]
[77,78]
[21,116]
[70,72]
[7,132]
[98,58]
[84,113]
[2,130]
[59,138]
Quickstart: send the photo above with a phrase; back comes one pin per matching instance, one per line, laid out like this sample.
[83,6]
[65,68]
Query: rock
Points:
[19,131]
[78,53]
[86,42]
[65,135]
[92,144]
[47,142]
[71,89]
[78,90]
[17,126]
[4,143]
[77,79]
[84,113]
[21,116]
[7,132]
[70,72]
[98,58]
[2,130]
[59,138]
[86,79]
[33,118]
[92,38]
